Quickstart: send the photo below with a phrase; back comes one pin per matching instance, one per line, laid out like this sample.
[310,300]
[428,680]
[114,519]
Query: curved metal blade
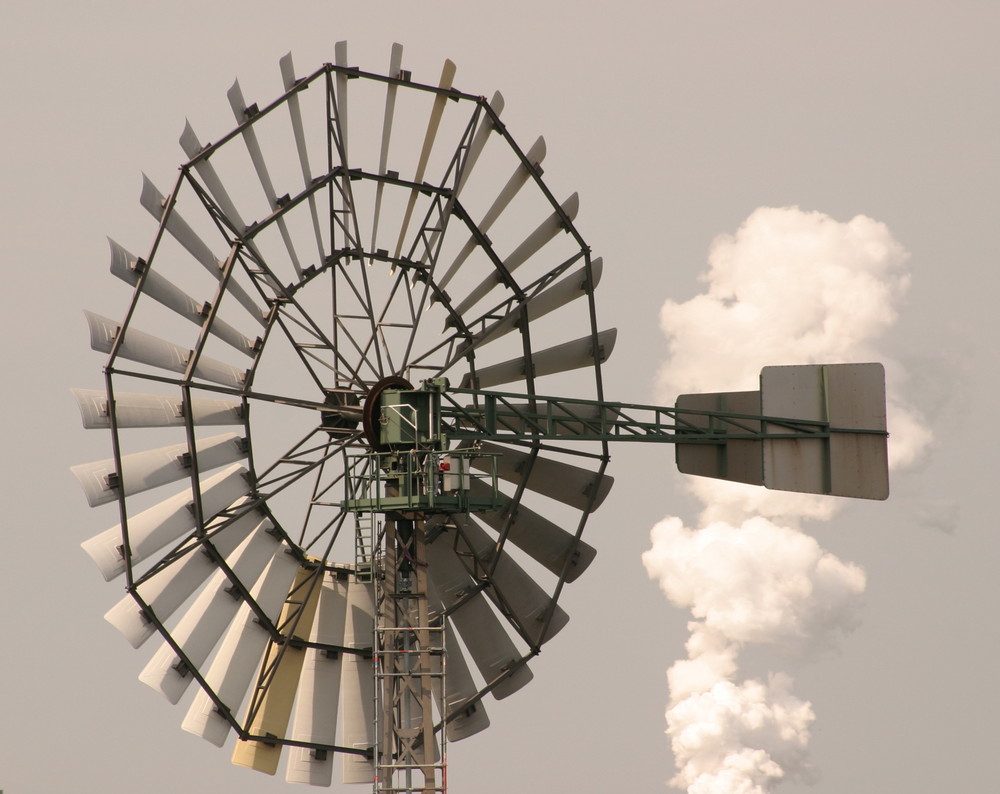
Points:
[491,648]
[548,300]
[142,471]
[517,180]
[486,126]
[564,482]
[530,246]
[433,123]
[171,587]
[154,203]
[239,107]
[199,629]
[358,683]
[283,664]
[192,148]
[148,349]
[395,64]
[340,58]
[124,266]
[133,409]
[154,528]
[545,542]
[465,715]
[240,653]
[560,358]
[298,131]
[316,708]
[474,150]
[513,591]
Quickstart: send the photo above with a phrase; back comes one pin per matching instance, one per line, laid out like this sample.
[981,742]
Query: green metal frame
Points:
[413,481]
[501,416]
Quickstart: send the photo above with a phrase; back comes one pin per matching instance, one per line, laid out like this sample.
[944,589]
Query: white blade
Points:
[153,202]
[489,645]
[479,141]
[142,471]
[192,147]
[199,629]
[152,529]
[123,265]
[298,130]
[340,58]
[170,588]
[437,111]
[524,598]
[239,655]
[551,298]
[395,64]
[543,541]
[534,156]
[148,349]
[319,690]
[474,150]
[283,663]
[561,358]
[530,246]
[133,409]
[460,686]
[239,107]
[564,482]
[358,684]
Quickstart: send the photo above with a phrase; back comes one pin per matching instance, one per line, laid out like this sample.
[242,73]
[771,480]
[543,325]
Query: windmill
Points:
[369,283]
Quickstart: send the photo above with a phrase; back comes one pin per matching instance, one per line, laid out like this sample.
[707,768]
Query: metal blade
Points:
[543,541]
[561,358]
[513,592]
[340,58]
[447,76]
[479,141]
[489,645]
[125,266]
[148,349]
[170,588]
[283,662]
[199,629]
[530,246]
[534,156]
[461,687]
[142,471]
[395,64]
[358,683]
[133,409]
[154,203]
[474,150]
[298,130]
[240,653]
[318,700]
[154,528]
[564,482]
[239,107]
[192,148]
[548,300]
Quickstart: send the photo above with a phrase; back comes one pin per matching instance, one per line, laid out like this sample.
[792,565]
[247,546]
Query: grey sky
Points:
[674,121]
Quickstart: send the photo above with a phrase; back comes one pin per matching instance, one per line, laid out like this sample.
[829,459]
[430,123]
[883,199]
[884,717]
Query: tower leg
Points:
[409,757]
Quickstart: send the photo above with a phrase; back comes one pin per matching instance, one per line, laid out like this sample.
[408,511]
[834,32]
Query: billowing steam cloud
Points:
[790,287]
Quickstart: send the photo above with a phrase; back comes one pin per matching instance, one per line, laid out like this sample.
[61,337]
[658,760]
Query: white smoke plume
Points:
[790,287]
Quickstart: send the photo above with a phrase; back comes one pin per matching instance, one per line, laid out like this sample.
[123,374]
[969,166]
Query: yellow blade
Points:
[276,704]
